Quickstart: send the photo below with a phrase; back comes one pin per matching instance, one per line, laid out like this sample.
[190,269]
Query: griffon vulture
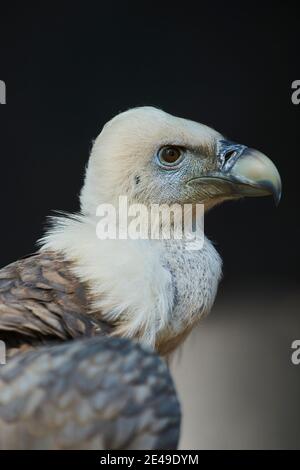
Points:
[85,321]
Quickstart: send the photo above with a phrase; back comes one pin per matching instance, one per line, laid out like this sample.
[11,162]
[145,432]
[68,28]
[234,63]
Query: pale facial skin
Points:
[153,157]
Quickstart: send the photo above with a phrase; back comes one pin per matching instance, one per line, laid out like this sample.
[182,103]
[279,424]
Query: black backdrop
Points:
[70,67]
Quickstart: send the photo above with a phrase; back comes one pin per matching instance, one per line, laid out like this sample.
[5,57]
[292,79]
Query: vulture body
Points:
[93,393]
[85,321]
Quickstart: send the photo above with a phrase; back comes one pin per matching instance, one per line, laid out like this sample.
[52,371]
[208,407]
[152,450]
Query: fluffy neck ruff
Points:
[126,280]
[142,286]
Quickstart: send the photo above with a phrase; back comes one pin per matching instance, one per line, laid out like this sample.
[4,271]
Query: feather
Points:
[97,393]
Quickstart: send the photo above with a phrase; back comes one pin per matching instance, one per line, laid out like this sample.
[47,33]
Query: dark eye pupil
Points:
[170,154]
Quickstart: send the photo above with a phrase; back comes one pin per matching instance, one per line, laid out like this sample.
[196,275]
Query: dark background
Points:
[70,67]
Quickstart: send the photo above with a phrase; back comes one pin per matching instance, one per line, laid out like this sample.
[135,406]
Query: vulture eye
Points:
[169,156]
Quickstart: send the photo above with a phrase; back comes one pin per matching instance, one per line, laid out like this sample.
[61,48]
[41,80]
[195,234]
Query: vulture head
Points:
[153,157]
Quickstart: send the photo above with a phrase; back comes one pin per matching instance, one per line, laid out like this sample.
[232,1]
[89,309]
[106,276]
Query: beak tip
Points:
[260,171]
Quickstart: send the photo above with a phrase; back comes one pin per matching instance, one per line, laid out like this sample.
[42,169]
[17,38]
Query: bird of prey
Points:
[88,322]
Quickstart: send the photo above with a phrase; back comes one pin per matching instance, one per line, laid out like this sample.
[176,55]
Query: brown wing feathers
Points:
[40,298]
[93,393]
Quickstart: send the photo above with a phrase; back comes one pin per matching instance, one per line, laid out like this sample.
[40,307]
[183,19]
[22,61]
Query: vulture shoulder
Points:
[91,393]
[41,300]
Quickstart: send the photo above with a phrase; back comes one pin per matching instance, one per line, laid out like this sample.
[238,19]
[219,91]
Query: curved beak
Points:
[243,171]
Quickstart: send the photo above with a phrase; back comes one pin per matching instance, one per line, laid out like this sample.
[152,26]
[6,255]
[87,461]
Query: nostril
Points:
[228,155]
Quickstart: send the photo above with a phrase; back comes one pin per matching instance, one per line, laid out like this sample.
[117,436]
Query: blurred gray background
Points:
[238,386]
